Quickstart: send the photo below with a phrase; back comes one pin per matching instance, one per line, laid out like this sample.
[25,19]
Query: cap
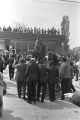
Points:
[32,59]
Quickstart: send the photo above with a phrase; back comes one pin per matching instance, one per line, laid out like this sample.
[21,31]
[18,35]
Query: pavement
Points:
[15,108]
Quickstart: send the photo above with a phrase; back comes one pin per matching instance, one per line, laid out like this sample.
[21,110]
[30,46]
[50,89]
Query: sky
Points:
[43,14]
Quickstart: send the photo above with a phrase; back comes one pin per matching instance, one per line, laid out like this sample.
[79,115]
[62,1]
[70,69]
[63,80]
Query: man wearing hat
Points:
[31,78]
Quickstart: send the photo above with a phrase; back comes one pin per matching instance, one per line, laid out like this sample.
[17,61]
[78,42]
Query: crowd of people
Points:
[38,77]
[35,30]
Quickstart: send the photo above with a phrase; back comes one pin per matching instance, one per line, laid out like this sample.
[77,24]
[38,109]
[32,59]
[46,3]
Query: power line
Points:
[47,2]
[70,1]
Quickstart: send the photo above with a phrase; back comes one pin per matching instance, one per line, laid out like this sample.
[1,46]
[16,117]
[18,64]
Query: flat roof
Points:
[28,36]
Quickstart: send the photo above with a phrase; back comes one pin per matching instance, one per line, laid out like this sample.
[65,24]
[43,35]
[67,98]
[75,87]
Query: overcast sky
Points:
[42,14]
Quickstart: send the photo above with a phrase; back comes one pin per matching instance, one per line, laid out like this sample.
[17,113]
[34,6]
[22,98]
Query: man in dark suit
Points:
[11,68]
[42,81]
[53,74]
[31,78]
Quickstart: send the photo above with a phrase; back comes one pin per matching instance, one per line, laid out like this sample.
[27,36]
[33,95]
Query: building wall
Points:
[21,46]
[2,45]
[24,42]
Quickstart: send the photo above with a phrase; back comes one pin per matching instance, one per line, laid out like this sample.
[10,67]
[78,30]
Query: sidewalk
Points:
[18,109]
[76,84]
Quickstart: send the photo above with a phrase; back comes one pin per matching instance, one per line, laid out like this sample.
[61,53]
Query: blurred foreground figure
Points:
[76,98]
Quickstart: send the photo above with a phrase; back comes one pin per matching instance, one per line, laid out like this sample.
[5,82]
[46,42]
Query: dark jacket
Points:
[20,73]
[11,61]
[43,74]
[1,65]
[32,72]
[53,74]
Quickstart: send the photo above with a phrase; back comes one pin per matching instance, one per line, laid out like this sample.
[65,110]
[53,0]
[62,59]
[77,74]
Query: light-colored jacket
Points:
[65,70]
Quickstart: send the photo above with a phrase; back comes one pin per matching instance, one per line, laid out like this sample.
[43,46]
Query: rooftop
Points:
[28,36]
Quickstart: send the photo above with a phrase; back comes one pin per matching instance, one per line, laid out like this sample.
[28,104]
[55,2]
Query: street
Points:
[18,109]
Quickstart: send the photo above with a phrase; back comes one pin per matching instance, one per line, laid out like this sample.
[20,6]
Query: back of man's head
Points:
[64,59]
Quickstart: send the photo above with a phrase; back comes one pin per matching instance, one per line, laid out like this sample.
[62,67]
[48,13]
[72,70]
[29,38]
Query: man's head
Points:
[64,59]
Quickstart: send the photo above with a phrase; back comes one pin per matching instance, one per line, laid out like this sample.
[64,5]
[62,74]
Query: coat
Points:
[11,61]
[32,72]
[53,74]
[43,74]
[20,73]
[65,70]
